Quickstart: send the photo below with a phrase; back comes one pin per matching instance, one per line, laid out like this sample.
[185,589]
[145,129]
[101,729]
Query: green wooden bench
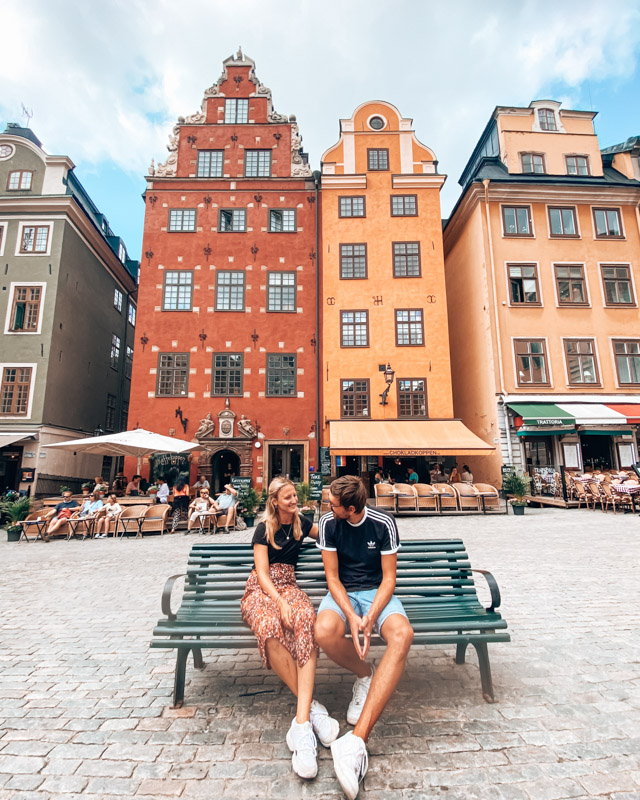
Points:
[434,581]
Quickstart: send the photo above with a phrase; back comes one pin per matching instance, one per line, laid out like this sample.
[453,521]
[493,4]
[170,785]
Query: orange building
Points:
[542,253]
[385,372]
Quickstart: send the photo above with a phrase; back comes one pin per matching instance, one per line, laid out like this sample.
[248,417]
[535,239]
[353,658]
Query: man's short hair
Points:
[350,491]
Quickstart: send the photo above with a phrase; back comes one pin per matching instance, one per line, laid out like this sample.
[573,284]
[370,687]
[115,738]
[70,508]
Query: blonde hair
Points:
[271,517]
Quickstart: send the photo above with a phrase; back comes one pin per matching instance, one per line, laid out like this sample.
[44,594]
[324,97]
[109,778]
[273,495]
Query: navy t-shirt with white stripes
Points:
[360,546]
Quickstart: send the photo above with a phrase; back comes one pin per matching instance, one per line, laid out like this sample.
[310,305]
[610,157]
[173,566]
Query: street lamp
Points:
[388,379]
[98,431]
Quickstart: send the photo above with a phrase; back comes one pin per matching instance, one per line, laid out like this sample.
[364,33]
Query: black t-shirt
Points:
[67,504]
[360,546]
[290,547]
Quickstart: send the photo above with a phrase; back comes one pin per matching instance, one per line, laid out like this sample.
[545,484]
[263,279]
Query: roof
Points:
[632,143]
[495,170]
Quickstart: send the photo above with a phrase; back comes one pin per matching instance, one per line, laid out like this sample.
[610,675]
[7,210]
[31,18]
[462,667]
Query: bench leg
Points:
[461,649]
[198,661]
[485,671]
[181,671]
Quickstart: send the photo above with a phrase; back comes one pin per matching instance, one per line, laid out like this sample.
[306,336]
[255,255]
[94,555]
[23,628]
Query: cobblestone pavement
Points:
[85,704]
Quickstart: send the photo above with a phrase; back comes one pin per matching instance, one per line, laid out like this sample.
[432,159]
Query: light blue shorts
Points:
[361,603]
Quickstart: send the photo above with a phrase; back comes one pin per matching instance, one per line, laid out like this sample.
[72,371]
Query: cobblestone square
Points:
[85,704]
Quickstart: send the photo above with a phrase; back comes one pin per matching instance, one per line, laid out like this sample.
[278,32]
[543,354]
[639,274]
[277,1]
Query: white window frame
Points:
[12,289]
[34,367]
[34,223]
[533,386]
[119,296]
[582,264]
[621,306]
[4,228]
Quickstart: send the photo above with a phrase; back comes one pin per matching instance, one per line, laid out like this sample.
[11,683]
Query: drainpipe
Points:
[316,178]
[486,183]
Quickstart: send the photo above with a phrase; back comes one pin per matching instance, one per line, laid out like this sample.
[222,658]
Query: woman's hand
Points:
[285,613]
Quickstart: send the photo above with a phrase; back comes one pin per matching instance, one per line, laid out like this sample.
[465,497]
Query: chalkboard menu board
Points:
[315,483]
[241,485]
[325,461]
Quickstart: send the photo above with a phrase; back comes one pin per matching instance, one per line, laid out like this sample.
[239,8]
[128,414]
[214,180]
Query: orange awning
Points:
[630,410]
[404,437]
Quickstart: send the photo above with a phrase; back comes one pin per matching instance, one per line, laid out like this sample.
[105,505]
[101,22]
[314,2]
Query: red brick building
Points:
[226,339]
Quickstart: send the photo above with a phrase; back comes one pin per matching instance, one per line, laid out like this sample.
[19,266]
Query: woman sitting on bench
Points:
[282,618]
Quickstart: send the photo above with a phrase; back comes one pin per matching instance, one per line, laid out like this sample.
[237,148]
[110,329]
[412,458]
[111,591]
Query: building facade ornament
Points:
[207,427]
[298,166]
[247,428]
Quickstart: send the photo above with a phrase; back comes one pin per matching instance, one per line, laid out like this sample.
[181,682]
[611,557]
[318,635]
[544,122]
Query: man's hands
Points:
[361,626]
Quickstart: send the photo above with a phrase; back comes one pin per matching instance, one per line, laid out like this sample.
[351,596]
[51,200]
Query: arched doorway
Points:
[224,465]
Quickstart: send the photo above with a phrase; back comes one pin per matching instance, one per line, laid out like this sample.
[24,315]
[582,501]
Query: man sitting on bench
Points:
[359,546]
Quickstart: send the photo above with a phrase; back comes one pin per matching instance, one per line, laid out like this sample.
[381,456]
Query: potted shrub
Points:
[517,485]
[87,486]
[14,509]
[247,506]
[304,501]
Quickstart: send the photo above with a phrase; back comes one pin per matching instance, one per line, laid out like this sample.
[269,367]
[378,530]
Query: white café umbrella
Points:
[137,443]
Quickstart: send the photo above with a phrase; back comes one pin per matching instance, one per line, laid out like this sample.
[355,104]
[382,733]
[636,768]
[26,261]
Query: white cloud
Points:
[107,80]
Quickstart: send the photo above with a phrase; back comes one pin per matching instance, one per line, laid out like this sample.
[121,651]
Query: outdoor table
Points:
[39,524]
[396,495]
[74,523]
[631,489]
[204,514]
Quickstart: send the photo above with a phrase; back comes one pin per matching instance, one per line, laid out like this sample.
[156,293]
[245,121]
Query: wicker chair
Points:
[582,495]
[597,495]
[426,497]
[154,519]
[324,502]
[614,499]
[385,496]
[490,494]
[468,496]
[410,501]
[448,496]
[128,519]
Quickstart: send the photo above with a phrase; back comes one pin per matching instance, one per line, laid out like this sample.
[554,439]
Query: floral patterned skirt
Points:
[262,614]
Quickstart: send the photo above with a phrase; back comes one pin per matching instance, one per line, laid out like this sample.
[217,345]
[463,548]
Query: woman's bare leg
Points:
[282,664]
[306,679]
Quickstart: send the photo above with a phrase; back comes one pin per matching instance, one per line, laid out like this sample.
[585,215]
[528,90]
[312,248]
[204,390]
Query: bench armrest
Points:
[166,595]
[493,588]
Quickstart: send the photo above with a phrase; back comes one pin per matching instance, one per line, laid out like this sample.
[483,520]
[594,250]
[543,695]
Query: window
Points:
[352,207]
[34,239]
[110,416]
[607,222]
[547,119]
[406,259]
[115,351]
[409,327]
[581,362]
[281,291]
[617,285]
[523,284]
[353,261]
[577,165]
[627,355]
[354,329]
[128,362]
[117,300]
[354,398]
[19,180]
[122,252]
[227,374]
[562,222]
[232,220]
[281,375]
[282,220]
[173,375]
[14,392]
[516,221]
[131,315]
[571,285]
[533,162]
[404,205]
[257,163]
[230,291]
[531,362]
[236,112]
[124,416]
[182,219]
[178,286]
[377,123]
[377,159]
[412,397]
[25,313]
[210,163]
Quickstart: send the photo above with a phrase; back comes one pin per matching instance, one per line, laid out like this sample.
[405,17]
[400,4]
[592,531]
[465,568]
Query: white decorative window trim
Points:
[12,290]
[34,223]
[11,152]
[4,229]
[34,367]
[380,116]
[549,105]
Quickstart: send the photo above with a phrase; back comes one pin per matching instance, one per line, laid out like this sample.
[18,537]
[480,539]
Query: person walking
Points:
[359,546]
[180,502]
[282,618]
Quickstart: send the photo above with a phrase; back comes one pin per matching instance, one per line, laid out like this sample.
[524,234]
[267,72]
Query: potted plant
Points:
[64,489]
[87,486]
[14,509]
[517,485]
[304,501]
[247,506]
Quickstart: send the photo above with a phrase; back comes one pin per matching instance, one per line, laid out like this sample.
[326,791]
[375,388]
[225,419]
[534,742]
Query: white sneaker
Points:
[350,761]
[325,727]
[360,691]
[302,742]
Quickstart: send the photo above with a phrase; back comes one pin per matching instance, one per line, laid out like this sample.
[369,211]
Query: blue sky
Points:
[106,82]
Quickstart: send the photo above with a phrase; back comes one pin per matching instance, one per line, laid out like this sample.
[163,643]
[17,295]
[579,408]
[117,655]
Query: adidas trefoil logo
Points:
[371,545]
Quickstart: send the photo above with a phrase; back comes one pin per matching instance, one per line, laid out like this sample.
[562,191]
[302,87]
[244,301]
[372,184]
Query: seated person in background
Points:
[112,509]
[201,483]
[455,475]
[61,513]
[437,475]
[120,483]
[163,492]
[201,505]
[133,487]
[227,502]
[379,476]
[413,475]
[466,476]
[101,485]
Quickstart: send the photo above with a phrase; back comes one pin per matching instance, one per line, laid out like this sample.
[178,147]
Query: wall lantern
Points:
[388,379]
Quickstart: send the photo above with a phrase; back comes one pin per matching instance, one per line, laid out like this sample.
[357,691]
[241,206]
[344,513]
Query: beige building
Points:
[542,253]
